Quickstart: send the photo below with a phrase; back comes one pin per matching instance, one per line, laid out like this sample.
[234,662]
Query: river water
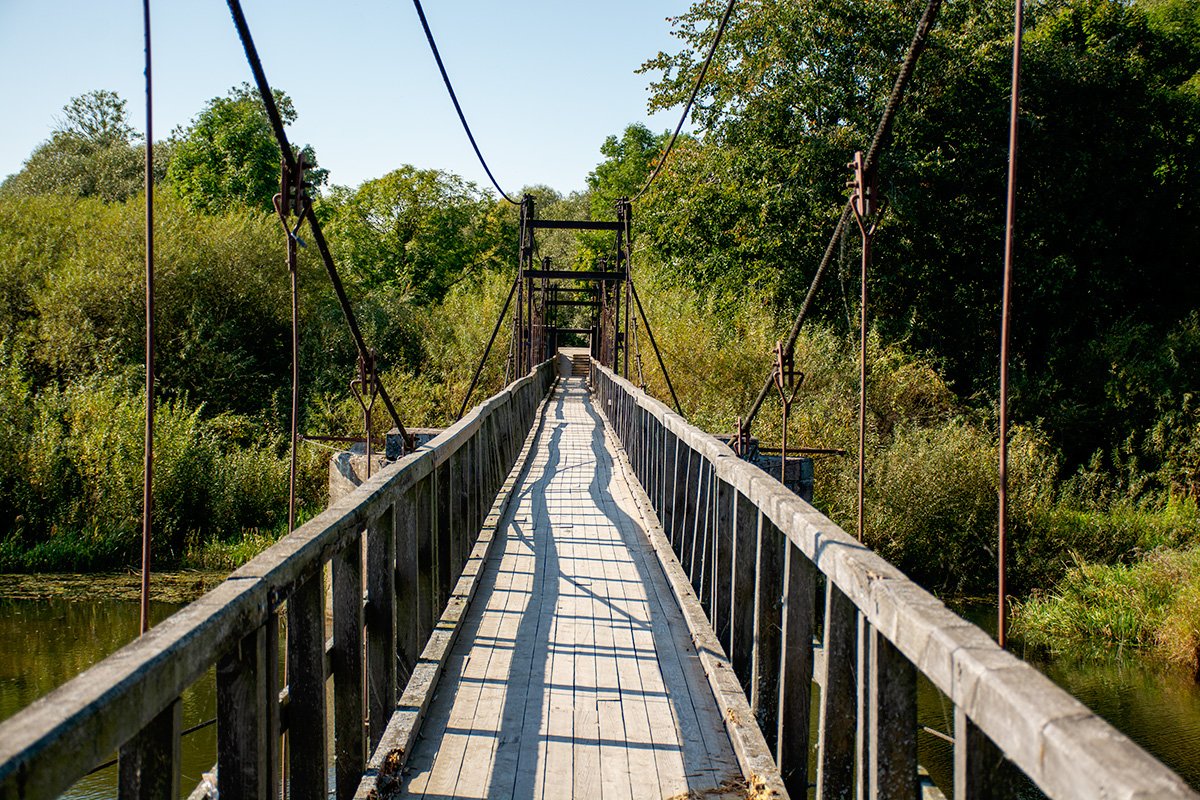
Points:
[47,642]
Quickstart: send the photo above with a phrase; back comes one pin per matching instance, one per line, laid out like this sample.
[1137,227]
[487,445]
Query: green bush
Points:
[1152,605]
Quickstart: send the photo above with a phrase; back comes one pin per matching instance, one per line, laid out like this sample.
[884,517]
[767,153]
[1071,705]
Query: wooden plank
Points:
[407,583]
[380,615]
[506,590]
[796,669]
[585,731]
[350,748]
[980,769]
[768,622]
[149,764]
[835,750]
[893,697]
[245,700]
[425,495]
[864,709]
[745,554]
[621,711]
[307,769]
[722,602]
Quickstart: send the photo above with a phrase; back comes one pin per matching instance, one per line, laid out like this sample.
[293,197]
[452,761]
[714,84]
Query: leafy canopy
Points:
[92,152]
[416,231]
[228,156]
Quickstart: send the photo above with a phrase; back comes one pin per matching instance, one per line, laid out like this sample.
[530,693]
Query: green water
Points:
[48,642]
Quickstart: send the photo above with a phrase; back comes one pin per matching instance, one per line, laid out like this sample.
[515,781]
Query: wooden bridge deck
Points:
[575,674]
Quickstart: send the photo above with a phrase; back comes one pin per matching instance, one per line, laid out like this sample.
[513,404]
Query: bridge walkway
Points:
[575,674]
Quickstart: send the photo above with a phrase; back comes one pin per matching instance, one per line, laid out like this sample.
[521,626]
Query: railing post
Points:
[679,484]
[863,707]
[893,699]
[764,690]
[380,617]
[745,561]
[425,495]
[687,532]
[308,776]
[980,769]
[347,663]
[458,528]
[795,668]
[722,602]
[836,730]
[667,489]
[248,717]
[408,604]
[441,550]
[700,549]
[149,762]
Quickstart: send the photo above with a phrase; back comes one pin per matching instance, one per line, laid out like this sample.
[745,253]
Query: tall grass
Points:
[76,495]
[1151,605]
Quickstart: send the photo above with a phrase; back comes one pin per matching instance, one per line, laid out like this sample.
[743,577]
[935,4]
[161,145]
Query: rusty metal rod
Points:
[487,350]
[148,462]
[293,271]
[654,344]
[862,383]
[1005,315]
[351,320]
[882,132]
[285,147]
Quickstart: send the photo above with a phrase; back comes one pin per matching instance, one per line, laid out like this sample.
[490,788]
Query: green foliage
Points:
[1148,605]
[228,156]
[628,163]
[416,232]
[1106,237]
[77,467]
[92,152]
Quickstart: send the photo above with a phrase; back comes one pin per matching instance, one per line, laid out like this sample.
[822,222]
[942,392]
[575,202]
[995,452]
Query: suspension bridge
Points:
[571,592]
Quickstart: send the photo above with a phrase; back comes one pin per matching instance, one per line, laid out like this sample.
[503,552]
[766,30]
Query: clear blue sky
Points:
[542,82]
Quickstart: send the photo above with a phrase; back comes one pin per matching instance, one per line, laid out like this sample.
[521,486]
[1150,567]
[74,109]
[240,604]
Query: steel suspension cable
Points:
[878,141]
[687,109]
[289,158]
[454,99]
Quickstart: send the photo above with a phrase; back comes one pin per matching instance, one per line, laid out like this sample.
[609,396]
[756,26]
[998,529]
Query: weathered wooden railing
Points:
[411,526]
[758,558]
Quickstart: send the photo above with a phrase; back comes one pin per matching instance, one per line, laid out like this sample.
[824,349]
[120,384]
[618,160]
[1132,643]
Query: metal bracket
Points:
[292,199]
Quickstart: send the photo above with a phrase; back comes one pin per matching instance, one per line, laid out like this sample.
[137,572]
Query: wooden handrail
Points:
[754,550]
[428,504]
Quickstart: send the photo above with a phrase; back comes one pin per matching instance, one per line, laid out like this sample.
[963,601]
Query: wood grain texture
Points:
[575,675]
[1066,750]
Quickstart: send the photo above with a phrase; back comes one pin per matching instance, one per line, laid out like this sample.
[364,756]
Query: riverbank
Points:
[1149,608]
[175,588]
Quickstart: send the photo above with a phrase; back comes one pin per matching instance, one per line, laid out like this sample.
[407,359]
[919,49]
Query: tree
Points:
[93,152]
[1106,239]
[628,162]
[416,231]
[228,156]
[98,117]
